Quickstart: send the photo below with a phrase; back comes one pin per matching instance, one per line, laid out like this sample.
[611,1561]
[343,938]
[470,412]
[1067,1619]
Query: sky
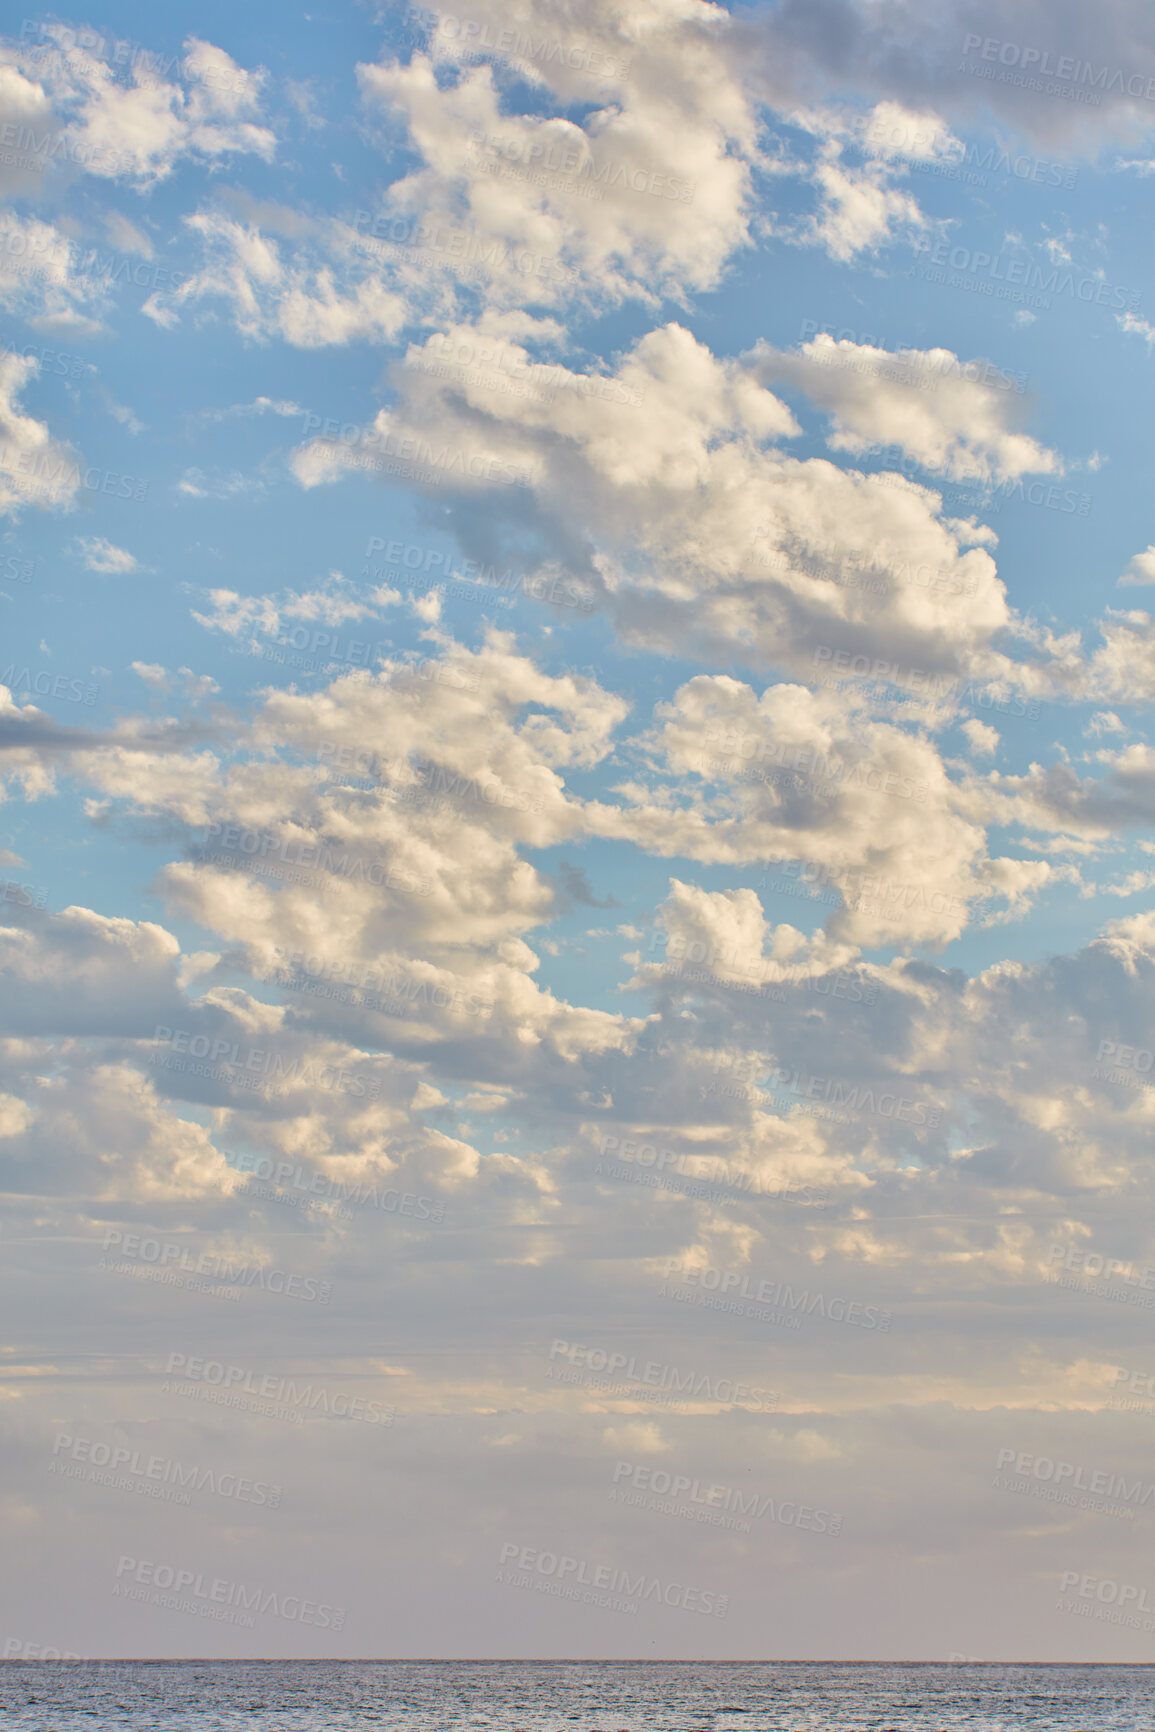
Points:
[576,880]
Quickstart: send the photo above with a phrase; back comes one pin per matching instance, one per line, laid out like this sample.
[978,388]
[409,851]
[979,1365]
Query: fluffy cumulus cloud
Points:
[648,196]
[922,401]
[794,776]
[1064,81]
[668,487]
[1141,569]
[399,875]
[651,190]
[1121,666]
[121,115]
[312,298]
[58,283]
[35,468]
[858,167]
[439,970]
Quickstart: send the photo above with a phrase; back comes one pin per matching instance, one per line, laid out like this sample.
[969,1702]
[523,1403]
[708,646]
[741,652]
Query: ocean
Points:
[568,1696]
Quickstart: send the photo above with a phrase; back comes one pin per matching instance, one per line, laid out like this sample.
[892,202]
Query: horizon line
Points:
[551,1660]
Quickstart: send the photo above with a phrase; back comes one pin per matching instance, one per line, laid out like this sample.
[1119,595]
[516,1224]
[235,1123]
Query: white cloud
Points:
[795,775]
[48,277]
[196,484]
[648,195]
[259,406]
[1122,669]
[984,740]
[335,603]
[136,124]
[926,61]
[1141,569]
[662,487]
[922,400]
[1137,327]
[25,109]
[34,468]
[101,555]
[650,191]
[306,301]
[863,207]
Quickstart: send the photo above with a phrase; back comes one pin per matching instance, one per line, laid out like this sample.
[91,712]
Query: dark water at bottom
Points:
[569,1696]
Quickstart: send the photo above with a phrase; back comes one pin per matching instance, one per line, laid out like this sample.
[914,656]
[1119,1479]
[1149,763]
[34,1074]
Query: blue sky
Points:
[497,504]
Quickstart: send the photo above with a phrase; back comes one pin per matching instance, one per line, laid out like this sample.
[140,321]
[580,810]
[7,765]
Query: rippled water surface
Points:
[547,1696]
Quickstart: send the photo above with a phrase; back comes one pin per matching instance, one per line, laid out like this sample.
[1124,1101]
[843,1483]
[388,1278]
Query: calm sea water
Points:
[549,1696]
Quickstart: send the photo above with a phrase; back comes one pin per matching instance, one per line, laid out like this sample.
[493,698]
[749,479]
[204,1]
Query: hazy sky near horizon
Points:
[577,927]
